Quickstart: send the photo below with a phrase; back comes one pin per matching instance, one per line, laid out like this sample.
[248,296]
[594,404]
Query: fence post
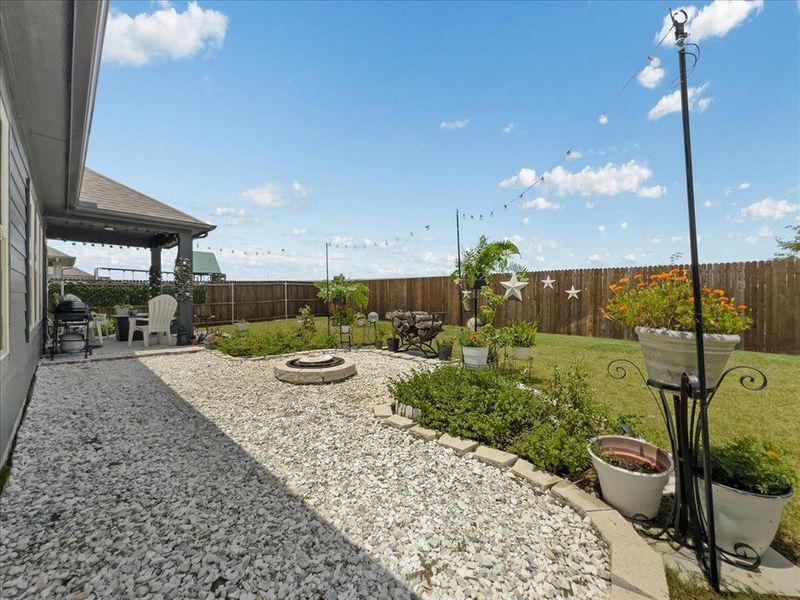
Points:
[285,299]
[233,304]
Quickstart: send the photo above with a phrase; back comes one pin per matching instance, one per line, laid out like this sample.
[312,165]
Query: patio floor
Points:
[189,475]
[112,350]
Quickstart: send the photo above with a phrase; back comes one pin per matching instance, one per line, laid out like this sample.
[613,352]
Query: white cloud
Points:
[509,128]
[656,240]
[676,239]
[603,119]
[609,180]
[573,155]
[221,211]
[594,258]
[526,220]
[671,103]
[589,205]
[769,209]
[461,124]
[269,196]
[165,33]
[525,178]
[540,259]
[742,186]
[630,257]
[299,190]
[713,20]
[541,203]
[623,225]
[651,76]
[655,191]
[708,204]
[601,229]
[298,231]
[751,239]
[765,231]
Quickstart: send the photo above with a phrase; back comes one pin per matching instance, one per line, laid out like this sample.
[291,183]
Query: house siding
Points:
[17,364]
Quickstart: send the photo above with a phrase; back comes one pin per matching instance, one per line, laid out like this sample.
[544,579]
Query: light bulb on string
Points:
[603,119]
[653,60]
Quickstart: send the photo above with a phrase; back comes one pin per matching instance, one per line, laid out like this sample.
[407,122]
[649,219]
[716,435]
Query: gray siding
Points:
[18,366]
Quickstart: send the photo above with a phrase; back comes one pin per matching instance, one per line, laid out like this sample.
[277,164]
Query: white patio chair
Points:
[160,311]
[100,320]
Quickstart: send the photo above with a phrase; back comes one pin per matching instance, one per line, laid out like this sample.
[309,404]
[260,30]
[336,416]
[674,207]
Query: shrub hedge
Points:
[105,295]
[551,428]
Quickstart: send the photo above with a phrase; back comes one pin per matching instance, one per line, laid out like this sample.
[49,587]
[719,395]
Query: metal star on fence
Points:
[548,283]
[514,287]
[572,293]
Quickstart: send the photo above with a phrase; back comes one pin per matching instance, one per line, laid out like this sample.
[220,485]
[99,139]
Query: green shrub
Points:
[751,466]
[551,428]
[272,342]
[104,295]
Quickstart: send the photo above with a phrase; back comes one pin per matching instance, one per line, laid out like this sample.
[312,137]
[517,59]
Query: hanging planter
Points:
[632,473]
[668,354]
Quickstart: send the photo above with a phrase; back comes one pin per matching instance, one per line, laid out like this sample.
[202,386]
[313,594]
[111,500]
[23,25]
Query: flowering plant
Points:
[752,466]
[476,339]
[665,300]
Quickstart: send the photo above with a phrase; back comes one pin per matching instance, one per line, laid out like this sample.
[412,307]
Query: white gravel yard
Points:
[194,476]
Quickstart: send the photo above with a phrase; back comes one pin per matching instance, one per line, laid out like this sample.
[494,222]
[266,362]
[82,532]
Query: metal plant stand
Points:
[690,520]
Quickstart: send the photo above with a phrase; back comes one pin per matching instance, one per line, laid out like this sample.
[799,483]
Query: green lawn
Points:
[772,413]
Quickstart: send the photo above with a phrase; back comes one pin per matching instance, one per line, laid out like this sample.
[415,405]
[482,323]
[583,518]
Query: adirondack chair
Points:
[160,311]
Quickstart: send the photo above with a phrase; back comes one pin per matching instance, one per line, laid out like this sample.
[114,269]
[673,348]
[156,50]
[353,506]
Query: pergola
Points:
[108,212]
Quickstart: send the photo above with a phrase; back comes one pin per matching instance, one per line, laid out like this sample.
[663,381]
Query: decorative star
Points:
[572,293]
[467,294]
[514,287]
[548,283]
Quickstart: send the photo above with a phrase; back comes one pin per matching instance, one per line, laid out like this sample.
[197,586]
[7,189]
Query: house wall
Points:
[22,265]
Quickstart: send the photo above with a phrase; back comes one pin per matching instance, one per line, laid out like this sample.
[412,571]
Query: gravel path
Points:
[192,476]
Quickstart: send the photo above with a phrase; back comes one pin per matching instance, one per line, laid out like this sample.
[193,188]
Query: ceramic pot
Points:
[744,517]
[445,352]
[392,344]
[632,494]
[475,358]
[344,329]
[668,354]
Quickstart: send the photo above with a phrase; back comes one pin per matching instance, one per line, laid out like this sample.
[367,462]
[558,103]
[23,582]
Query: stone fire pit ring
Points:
[314,369]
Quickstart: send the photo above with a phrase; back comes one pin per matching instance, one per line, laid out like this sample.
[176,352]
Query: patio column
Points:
[185,307]
[155,260]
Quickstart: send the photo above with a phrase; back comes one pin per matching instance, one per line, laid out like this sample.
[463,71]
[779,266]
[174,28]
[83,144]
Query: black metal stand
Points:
[55,344]
[686,418]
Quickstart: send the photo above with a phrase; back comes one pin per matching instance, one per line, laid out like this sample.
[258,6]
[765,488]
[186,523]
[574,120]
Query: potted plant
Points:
[632,473]
[381,331]
[122,310]
[393,342]
[345,317]
[444,348]
[750,486]
[661,309]
[360,318]
[474,348]
[242,325]
[479,263]
[521,336]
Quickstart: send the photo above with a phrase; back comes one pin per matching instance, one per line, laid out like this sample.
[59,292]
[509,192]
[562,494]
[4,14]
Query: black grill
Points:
[71,310]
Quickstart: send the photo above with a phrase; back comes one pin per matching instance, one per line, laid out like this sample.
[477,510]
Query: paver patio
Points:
[190,475]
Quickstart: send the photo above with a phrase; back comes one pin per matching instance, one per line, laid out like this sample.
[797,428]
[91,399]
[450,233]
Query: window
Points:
[4,200]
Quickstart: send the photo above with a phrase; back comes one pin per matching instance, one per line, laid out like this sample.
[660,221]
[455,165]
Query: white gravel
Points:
[193,476]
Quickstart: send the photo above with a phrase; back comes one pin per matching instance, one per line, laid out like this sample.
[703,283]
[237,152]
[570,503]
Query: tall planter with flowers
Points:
[661,310]
[475,347]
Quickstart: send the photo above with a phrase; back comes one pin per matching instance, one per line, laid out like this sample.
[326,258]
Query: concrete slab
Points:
[540,479]
[776,575]
[578,499]
[382,411]
[495,457]
[398,422]
[461,447]
[423,433]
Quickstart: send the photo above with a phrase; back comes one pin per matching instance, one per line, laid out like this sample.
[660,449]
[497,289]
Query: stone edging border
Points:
[637,571]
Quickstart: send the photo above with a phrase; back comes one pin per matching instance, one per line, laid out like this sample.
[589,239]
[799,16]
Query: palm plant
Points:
[485,259]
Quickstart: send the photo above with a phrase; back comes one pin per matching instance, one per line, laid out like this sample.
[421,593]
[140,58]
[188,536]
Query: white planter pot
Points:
[344,328]
[631,493]
[668,354]
[361,322]
[744,517]
[522,352]
[242,327]
[475,358]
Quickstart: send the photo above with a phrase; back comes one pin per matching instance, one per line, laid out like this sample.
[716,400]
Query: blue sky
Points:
[289,125]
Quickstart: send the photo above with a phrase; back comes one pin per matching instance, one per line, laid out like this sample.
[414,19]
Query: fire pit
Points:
[315,369]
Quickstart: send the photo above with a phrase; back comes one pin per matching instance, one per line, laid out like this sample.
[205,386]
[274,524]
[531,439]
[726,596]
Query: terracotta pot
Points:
[668,354]
[632,493]
[744,517]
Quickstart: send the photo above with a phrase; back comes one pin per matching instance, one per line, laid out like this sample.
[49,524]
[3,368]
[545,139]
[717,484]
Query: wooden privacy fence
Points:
[771,290]
[258,300]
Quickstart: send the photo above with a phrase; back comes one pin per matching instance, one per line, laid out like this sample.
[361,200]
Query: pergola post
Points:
[185,307]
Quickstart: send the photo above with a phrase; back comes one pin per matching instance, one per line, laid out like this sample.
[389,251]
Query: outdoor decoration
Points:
[474,349]
[632,474]
[416,329]
[514,287]
[548,283]
[572,293]
[466,300]
[183,279]
[521,337]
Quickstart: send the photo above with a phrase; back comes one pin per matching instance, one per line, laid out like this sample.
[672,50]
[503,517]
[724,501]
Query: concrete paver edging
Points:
[637,571]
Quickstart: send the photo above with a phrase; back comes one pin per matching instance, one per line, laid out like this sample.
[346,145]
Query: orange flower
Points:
[691,298]
[653,284]
[742,306]
[772,454]
[623,308]
[639,286]
[706,289]
[719,292]
[680,278]
[624,280]
[638,276]
[675,271]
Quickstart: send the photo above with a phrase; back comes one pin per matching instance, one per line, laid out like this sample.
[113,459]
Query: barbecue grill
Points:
[70,315]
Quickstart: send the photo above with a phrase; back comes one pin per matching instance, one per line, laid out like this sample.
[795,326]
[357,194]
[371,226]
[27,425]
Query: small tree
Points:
[485,259]
[791,248]
[343,295]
